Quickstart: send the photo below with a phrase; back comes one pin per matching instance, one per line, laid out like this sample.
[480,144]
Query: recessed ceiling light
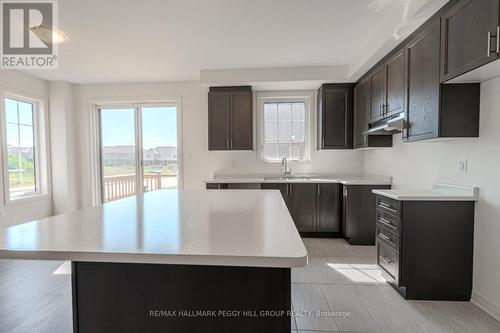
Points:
[49,35]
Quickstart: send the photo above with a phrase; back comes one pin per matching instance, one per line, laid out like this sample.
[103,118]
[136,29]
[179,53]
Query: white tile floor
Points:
[343,282]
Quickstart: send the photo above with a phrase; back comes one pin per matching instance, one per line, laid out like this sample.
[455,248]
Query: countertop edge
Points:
[440,197]
[165,259]
[310,181]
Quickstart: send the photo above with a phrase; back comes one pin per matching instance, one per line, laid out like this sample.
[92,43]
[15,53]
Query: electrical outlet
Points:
[462,166]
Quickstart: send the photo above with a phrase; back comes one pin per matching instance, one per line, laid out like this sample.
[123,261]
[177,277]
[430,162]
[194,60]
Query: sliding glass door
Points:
[138,150]
[159,147]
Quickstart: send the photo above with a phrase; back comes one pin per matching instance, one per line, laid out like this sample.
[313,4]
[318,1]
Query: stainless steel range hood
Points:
[388,126]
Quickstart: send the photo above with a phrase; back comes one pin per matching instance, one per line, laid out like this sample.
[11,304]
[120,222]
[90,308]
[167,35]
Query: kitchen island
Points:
[172,261]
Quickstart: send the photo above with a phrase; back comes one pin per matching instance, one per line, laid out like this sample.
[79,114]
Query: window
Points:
[284,132]
[21,148]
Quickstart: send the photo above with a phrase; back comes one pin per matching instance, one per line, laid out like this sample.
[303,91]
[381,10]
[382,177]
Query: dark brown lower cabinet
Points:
[302,206]
[425,248]
[316,209]
[359,212]
[329,207]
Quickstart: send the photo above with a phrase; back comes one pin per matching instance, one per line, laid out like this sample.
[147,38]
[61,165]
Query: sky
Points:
[19,118]
[159,127]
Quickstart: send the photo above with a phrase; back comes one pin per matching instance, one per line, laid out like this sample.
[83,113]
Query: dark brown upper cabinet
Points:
[377,92]
[436,110]
[394,70]
[361,115]
[422,57]
[230,118]
[387,88]
[335,113]
[361,109]
[470,36]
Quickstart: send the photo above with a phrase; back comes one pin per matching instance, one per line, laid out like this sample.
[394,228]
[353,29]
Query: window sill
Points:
[27,199]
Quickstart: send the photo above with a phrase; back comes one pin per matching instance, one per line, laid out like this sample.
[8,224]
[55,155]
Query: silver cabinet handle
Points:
[386,206]
[384,237]
[385,221]
[319,190]
[386,260]
[489,44]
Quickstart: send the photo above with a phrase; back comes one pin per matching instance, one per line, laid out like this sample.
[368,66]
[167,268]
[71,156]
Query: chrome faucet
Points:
[284,167]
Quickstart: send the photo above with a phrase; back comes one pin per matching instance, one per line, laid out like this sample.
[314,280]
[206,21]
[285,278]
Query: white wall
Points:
[20,83]
[63,144]
[198,163]
[420,164]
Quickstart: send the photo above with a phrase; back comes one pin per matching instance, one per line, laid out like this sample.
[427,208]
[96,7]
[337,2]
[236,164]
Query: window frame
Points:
[40,147]
[306,97]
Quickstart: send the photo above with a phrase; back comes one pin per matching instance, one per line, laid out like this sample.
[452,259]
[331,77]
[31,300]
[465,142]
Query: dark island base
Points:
[121,297]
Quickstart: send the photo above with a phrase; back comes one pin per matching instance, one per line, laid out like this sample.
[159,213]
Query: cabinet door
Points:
[219,108]
[361,110]
[422,66]
[241,121]
[467,42]
[395,84]
[329,201]
[377,94]
[336,118]
[302,205]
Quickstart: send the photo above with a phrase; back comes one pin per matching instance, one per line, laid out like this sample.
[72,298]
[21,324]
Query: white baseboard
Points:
[486,305]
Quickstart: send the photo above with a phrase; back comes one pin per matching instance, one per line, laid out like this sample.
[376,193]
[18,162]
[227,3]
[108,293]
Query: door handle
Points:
[319,190]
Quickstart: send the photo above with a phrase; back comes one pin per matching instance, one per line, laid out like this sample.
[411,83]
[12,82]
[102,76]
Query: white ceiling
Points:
[172,40]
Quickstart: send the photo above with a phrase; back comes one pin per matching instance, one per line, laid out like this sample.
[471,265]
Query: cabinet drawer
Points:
[389,221]
[388,205]
[388,237]
[388,260]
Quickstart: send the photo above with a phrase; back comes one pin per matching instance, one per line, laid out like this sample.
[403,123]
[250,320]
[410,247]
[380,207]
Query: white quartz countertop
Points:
[438,192]
[346,179]
[231,228]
